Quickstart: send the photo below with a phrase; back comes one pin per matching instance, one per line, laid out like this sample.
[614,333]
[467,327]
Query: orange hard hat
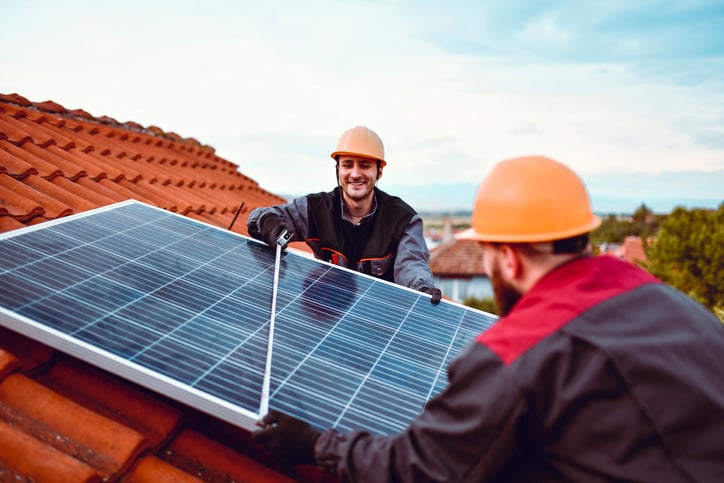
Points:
[531,199]
[361,141]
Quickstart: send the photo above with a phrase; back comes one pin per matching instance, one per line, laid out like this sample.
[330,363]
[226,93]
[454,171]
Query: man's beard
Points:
[506,295]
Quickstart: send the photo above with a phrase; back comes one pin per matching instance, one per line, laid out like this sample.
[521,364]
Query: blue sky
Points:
[629,94]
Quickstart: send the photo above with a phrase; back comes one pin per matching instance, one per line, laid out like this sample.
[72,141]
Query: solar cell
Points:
[183,308]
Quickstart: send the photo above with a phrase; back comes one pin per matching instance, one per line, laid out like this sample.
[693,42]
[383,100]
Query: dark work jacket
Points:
[369,247]
[599,373]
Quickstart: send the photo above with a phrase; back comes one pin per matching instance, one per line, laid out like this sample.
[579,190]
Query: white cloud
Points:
[545,29]
[272,86]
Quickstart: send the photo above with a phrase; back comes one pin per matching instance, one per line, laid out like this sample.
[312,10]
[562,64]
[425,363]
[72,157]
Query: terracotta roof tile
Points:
[30,354]
[151,469]
[69,168]
[633,250]
[45,464]
[459,257]
[114,398]
[8,363]
[15,98]
[69,420]
[22,202]
[68,196]
[93,196]
[44,135]
[45,169]
[8,223]
[15,166]
[99,442]
[37,220]
[106,188]
[212,461]
[13,133]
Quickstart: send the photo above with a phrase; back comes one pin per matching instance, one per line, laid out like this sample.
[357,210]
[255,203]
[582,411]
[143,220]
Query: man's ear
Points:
[379,170]
[511,262]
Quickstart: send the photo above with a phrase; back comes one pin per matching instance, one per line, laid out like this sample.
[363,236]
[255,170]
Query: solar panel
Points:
[183,308]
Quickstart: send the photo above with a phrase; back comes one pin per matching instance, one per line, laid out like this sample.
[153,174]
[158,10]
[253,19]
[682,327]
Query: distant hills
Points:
[610,193]
[618,193]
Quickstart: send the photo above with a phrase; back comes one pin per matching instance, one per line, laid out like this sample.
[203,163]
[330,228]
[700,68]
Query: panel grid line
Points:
[441,368]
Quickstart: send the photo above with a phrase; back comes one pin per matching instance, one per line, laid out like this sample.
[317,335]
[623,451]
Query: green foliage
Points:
[485,304]
[614,229]
[688,253]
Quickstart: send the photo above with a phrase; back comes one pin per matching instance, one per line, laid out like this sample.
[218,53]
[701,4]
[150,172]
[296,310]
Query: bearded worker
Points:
[596,371]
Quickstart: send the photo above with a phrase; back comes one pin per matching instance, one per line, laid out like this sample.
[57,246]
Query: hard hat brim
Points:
[334,155]
[471,234]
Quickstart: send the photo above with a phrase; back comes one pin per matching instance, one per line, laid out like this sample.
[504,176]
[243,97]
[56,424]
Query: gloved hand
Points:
[435,292]
[289,439]
[272,226]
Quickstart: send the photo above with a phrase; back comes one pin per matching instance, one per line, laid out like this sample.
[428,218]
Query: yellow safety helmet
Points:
[361,141]
[531,199]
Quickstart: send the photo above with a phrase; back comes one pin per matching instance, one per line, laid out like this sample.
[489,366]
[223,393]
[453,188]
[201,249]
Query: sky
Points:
[628,94]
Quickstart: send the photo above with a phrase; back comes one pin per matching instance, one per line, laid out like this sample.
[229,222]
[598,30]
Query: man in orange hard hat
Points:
[356,225]
[596,370]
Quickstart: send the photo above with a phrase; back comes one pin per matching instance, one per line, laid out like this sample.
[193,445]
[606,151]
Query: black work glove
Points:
[435,292]
[290,440]
[272,226]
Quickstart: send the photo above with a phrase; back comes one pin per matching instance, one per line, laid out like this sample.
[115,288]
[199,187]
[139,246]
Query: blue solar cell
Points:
[62,313]
[180,359]
[184,308]
[16,292]
[85,230]
[125,246]
[119,336]
[103,293]
[92,259]
[162,315]
[21,255]
[45,242]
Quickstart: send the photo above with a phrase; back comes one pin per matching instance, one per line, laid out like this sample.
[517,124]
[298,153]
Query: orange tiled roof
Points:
[62,419]
[457,258]
[633,250]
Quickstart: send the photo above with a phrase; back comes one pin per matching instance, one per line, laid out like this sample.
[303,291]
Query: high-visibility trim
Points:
[578,286]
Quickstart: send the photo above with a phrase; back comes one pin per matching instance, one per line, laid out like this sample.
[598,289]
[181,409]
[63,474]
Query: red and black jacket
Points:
[369,247]
[599,373]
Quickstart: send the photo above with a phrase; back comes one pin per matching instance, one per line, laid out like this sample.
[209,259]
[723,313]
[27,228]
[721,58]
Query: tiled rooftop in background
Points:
[457,258]
[62,419]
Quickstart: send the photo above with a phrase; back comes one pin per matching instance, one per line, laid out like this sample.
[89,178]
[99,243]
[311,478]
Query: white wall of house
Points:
[459,289]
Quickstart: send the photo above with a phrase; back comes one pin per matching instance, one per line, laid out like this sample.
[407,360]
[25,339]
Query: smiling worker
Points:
[356,225]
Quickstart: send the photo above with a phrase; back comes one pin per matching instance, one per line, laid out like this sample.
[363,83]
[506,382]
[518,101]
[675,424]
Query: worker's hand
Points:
[289,439]
[272,226]
[434,292]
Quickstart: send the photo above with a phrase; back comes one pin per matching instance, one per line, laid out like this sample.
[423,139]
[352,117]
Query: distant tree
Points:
[612,230]
[688,253]
[643,221]
[642,214]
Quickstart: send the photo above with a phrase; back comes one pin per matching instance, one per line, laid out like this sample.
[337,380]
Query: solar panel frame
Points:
[325,331]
